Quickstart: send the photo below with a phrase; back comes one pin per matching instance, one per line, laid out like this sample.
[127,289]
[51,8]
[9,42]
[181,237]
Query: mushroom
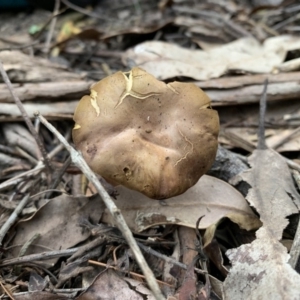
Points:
[149,136]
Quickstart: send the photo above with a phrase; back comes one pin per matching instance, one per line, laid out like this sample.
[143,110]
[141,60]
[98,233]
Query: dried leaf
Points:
[260,269]
[211,197]
[272,194]
[57,222]
[111,286]
[36,282]
[19,68]
[188,288]
[165,60]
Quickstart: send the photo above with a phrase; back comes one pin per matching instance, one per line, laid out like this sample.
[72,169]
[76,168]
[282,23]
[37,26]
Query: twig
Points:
[25,247]
[25,116]
[85,11]
[45,270]
[262,112]
[168,259]
[58,176]
[286,138]
[75,290]
[18,178]
[113,209]
[52,26]
[36,257]
[13,217]
[8,292]
[20,46]
[87,247]
[202,257]
[234,28]
[98,263]
[39,167]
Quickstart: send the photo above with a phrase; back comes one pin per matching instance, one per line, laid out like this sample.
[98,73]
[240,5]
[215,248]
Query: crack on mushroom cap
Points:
[188,152]
[169,85]
[129,92]
[94,103]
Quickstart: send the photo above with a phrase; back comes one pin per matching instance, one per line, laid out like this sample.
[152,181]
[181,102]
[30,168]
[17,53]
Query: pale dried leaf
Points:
[260,271]
[19,67]
[165,60]
[211,197]
[273,194]
[36,282]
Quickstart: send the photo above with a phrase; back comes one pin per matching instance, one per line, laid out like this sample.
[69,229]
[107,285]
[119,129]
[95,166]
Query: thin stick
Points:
[52,26]
[20,177]
[37,257]
[25,116]
[168,259]
[79,161]
[98,263]
[262,112]
[85,11]
[8,292]
[13,217]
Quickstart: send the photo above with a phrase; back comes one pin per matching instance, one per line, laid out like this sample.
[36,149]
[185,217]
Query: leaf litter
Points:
[52,247]
[264,262]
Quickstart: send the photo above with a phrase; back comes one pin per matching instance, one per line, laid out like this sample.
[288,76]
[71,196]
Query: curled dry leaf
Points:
[156,138]
[211,197]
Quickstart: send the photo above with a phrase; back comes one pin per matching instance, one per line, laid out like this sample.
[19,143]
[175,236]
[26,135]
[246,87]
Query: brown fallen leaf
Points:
[57,222]
[210,197]
[109,285]
[188,288]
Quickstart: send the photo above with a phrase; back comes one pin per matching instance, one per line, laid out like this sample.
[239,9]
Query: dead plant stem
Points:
[168,259]
[36,257]
[93,262]
[52,27]
[13,217]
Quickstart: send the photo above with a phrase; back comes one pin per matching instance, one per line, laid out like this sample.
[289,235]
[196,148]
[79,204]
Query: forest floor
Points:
[233,235]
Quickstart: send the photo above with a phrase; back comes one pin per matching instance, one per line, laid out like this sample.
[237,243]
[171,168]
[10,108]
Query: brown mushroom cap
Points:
[137,131]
